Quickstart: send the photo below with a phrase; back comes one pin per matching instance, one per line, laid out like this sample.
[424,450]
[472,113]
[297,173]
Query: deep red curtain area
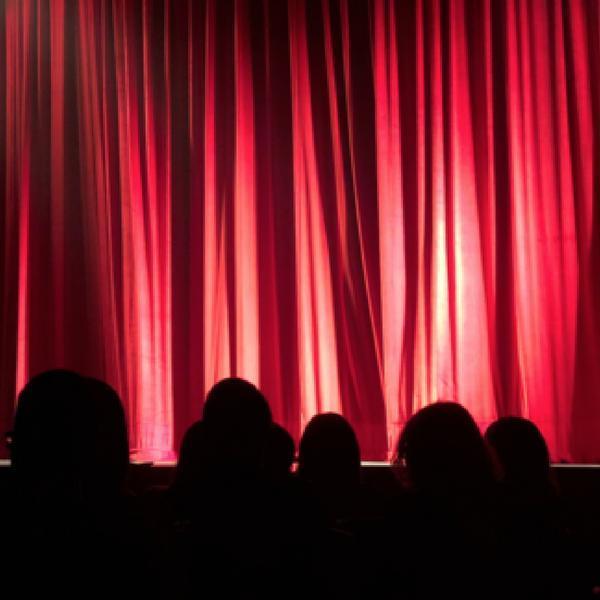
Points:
[362,207]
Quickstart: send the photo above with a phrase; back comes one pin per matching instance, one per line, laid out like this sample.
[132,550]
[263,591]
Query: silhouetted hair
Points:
[196,457]
[520,449]
[70,434]
[280,452]
[329,453]
[236,402]
[239,418]
[443,450]
[48,441]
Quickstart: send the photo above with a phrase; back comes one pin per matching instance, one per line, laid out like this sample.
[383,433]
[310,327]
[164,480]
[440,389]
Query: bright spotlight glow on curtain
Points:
[362,206]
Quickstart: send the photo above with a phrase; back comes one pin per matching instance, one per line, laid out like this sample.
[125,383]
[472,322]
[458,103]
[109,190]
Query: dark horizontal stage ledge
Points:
[579,483]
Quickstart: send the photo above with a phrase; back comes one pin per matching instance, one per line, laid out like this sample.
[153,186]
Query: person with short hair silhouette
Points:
[329,466]
[447,521]
[521,454]
[543,558]
[329,461]
[443,451]
[51,439]
[239,419]
[73,523]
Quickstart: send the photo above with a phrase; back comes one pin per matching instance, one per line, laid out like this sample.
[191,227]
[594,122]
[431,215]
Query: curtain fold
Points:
[361,206]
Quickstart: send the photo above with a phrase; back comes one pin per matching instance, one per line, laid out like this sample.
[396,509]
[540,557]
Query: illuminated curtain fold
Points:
[361,206]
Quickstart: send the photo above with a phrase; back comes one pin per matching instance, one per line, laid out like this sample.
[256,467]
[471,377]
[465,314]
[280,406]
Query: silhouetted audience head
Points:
[196,458]
[70,437]
[443,450]
[329,454]
[50,433]
[280,452]
[239,419]
[73,524]
[520,450]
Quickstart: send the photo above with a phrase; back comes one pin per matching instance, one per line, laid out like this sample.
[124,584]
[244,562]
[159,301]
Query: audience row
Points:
[465,515]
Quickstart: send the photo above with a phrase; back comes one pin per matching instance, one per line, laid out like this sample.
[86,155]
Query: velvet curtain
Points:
[361,206]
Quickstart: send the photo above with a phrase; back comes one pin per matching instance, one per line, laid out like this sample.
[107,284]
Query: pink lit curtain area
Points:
[361,206]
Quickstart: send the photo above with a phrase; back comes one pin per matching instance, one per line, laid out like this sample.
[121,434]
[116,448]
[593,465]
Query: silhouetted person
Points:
[72,522]
[229,443]
[198,467]
[329,459]
[447,525]
[543,558]
[179,530]
[50,438]
[444,452]
[69,442]
[329,465]
[280,453]
[195,457]
[522,455]
[48,461]
[239,418]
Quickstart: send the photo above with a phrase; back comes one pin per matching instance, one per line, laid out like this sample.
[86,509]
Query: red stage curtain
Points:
[362,206]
